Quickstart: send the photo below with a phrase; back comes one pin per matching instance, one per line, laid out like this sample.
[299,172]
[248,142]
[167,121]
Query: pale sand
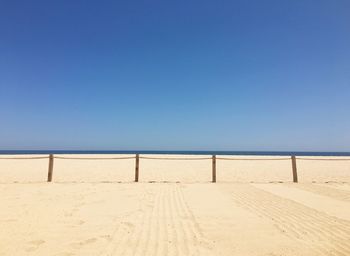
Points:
[80,214]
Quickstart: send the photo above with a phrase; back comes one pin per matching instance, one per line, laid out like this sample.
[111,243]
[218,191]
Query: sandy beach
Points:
[93,207]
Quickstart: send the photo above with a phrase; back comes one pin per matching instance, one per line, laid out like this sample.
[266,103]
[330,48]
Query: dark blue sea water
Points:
[184,152]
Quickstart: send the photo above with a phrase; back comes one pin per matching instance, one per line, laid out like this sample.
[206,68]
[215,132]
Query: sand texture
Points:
[94,208]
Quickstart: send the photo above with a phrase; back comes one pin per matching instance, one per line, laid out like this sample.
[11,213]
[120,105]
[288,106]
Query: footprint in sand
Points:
[34,245]
[82,243]
[81,222]
[9,220]
[128,224]
[107,237]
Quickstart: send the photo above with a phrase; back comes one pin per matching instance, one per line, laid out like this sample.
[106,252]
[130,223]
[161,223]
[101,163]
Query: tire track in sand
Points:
[323,234]
[163,226]
[324,191]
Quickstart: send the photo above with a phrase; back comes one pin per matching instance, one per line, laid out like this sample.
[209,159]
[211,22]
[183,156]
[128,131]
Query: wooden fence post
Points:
[214,168]
[49,175]
[137,162]
[294,168]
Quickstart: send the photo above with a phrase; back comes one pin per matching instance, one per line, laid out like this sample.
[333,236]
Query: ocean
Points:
[176,152]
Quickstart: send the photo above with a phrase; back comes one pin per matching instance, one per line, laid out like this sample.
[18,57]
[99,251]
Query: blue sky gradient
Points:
[175,75]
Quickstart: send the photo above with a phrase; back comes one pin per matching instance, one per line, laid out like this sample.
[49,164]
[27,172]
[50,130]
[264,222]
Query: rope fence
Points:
[252,159]
[137,158]
[175,158]
[23,158]
[324,159]
[94,158]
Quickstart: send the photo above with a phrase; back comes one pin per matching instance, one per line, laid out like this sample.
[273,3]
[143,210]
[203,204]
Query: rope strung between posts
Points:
[23,158]
[324,159]
[94,158]
[175,158]
[252,159]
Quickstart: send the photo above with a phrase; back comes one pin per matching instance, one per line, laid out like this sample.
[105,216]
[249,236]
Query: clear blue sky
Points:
[194,75]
